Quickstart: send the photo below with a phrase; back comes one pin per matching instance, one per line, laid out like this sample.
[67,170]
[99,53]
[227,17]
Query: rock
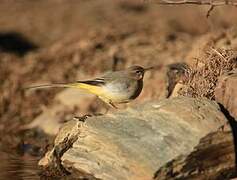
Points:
[134,143]
[73,128]
[226,92]
[212,158]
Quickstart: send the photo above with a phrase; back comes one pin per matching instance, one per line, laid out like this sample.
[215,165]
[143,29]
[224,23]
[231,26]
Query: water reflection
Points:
[15,166]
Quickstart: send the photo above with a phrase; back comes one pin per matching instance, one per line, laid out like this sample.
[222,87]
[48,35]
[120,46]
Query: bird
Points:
[113,87]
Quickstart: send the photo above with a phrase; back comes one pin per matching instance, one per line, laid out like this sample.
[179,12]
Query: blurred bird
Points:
[113,87]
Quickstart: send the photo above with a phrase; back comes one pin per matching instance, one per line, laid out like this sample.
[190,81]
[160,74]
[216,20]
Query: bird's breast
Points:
[123,91]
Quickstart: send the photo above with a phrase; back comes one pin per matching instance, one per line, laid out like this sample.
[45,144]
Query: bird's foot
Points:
[82,118]
[112,104]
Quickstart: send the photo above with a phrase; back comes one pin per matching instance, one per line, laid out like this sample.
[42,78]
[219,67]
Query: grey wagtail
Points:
[113,87]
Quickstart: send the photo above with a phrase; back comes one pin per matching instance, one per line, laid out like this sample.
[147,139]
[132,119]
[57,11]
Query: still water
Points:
[18,167]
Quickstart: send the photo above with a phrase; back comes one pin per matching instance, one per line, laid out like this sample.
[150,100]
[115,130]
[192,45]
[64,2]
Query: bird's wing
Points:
[106,78]
[94,82]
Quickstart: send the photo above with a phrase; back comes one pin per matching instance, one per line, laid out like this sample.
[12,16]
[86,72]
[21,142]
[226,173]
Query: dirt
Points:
[67,40]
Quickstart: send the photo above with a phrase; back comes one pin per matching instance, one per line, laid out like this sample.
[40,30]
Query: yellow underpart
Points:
[97,90]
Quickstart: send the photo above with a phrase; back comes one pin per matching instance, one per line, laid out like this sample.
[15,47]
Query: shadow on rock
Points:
[233,124]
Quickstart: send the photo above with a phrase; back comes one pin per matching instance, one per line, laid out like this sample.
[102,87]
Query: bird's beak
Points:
[153,67]
[149,68]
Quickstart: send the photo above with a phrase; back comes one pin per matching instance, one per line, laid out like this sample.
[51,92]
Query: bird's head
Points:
[137,72]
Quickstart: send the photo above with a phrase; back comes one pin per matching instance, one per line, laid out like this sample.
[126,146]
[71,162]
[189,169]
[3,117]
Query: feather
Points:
[56,85]
[94,82]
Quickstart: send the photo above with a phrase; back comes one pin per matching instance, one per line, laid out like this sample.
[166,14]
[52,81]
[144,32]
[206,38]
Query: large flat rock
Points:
[135,143]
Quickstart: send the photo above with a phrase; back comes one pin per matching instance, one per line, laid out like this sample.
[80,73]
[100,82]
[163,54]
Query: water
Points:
[17,167]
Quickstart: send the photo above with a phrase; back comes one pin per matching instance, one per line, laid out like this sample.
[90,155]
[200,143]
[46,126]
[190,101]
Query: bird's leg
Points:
[112,104]
[108,102]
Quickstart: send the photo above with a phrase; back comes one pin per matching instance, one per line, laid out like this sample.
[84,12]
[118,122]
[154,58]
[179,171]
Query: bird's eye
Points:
[138,72]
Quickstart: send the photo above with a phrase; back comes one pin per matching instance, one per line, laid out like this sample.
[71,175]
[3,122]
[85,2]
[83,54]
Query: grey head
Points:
[137,72]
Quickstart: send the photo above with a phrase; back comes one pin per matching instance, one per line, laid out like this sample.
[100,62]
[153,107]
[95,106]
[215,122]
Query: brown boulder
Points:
[226,92]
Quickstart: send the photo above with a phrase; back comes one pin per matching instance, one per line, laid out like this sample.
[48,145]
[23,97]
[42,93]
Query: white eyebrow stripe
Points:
[99,79]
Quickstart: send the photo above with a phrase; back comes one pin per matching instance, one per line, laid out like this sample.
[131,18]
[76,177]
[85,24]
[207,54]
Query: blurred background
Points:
[66,40]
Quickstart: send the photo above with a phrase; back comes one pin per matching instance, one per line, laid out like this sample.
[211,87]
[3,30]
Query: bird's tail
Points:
[83,85]
[56,85]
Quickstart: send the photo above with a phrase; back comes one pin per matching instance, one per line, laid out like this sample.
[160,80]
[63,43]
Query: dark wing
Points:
[94,82]
[106,78]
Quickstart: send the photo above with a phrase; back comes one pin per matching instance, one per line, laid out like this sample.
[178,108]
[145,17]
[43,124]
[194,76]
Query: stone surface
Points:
[68,131]
[134,143]
[212,158]
[226,92]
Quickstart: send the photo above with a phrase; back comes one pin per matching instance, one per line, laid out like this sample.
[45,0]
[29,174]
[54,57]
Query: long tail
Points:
[56,85]
[89,86]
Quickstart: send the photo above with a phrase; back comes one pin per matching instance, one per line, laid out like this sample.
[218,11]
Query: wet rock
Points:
[226,92]
[134,143]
